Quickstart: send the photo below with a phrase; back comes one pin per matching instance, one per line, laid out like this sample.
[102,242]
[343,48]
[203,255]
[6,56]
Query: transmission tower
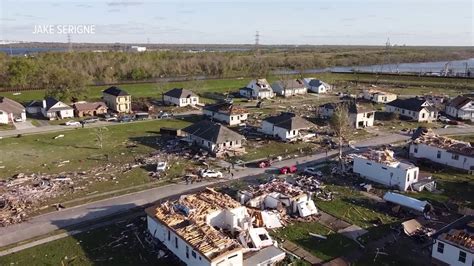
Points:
[257,43]
[69,43]
[386,59]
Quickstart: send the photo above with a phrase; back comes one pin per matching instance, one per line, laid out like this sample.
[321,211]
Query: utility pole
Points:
[386,60]
[257,43]
[69,43]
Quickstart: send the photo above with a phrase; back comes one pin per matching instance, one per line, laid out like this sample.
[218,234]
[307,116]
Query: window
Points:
[187,252]
[368,163]
[455,157]
[423,115]
[169,235]
[384,168]
[438,155]
[440,247]
[415,149]
[233,256]
[193,253]
[462,256]
[176,242]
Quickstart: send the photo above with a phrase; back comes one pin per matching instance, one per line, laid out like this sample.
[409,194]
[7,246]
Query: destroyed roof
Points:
[352,106]
[288,121]
[276,186]
[460,101]
[375,91]
[180,93]
[10,106]
[413,104]
[226,108]
[262,256]
[315,82]
[291,84]
[459,233]
[85,106]
[187,218]
[409,202]
[385,157]
[116,91]
[428,137]
[213,132]
[262,84]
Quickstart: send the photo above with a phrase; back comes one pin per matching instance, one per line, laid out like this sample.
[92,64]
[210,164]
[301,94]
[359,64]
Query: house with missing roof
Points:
[383,168]
[89,109]
[54,109]
[214,137]
[427,145]
[117,100]
[257,89]
[416,109]
[360,116]
[289,87]
[180,97]
[454,243]
[11,111]
[377,96]
[461,107]
[286,126]
[316,85]
[227,113]
[211,228]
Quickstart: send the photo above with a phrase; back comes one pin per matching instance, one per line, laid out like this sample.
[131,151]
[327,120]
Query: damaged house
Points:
[257,89]
[286,126]
[461,107]
[210,228]
[215,138]
[416,109]
[360,116]
[382,167]
[442,150]
[11,111]
[316,85]
[377,96]
[289,87]
[227,113]
[180,97]
[454,243]
[280,196]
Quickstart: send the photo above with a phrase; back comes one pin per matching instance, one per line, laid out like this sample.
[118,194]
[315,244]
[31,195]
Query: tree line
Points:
[64,74]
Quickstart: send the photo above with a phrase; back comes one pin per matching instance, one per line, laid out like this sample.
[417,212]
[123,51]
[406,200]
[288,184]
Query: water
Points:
[33,50]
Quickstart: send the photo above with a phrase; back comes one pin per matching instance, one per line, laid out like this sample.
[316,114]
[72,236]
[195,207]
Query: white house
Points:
[180,97]
[383,168]
[214,137]
[226,113]
[11,111]
[285,126]
[442,150]
[416,109]
[360,116]
[316,85]
[378,96]
[257,89]
[461,107]
[454,243]
[193,228]
[289,87]
[54,109]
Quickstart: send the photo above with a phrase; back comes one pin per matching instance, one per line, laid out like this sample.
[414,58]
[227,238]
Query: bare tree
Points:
[339,124]
[100,135]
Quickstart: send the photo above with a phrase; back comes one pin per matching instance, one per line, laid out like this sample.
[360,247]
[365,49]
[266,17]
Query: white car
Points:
[312,171]
[72,123]
[18,119]
[210,173]
[161,166]
[444,119]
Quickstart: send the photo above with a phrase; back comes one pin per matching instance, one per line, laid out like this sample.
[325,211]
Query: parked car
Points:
[72,123]
[164,115]
[288,170]
[210,173]
[312,171]
[125,119]
[264,164]
[161,166]
[111,119]
[90,120]
[18,119]
[142,116]
[444,119]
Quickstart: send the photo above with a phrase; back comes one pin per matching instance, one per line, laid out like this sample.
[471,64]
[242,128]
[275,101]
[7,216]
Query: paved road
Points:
[50,222]
[61,128]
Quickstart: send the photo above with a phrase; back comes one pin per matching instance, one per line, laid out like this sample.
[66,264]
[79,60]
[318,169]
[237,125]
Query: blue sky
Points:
[235,22]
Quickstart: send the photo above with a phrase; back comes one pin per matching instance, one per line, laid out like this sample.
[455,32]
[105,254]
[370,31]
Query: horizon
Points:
[320,23]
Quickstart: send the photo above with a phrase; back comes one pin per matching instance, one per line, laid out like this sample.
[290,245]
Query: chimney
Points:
[44,104]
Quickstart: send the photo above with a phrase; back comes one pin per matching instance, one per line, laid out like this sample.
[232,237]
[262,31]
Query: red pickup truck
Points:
[288,170]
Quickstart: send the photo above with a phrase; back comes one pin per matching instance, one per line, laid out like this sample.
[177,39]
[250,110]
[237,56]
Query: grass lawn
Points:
[41,153]
[467,138]
[96,247]
[456,186]
[326,249]
[6,127]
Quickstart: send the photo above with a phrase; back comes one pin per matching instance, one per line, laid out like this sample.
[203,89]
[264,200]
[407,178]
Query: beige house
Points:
[377,96]
[117,99]
[416,109]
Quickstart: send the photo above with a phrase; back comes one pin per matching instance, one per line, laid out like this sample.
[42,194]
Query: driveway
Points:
[24,125]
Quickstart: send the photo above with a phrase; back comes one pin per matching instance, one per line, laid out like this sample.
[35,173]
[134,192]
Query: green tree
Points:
[21,72]
[64,85]
[339,124]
